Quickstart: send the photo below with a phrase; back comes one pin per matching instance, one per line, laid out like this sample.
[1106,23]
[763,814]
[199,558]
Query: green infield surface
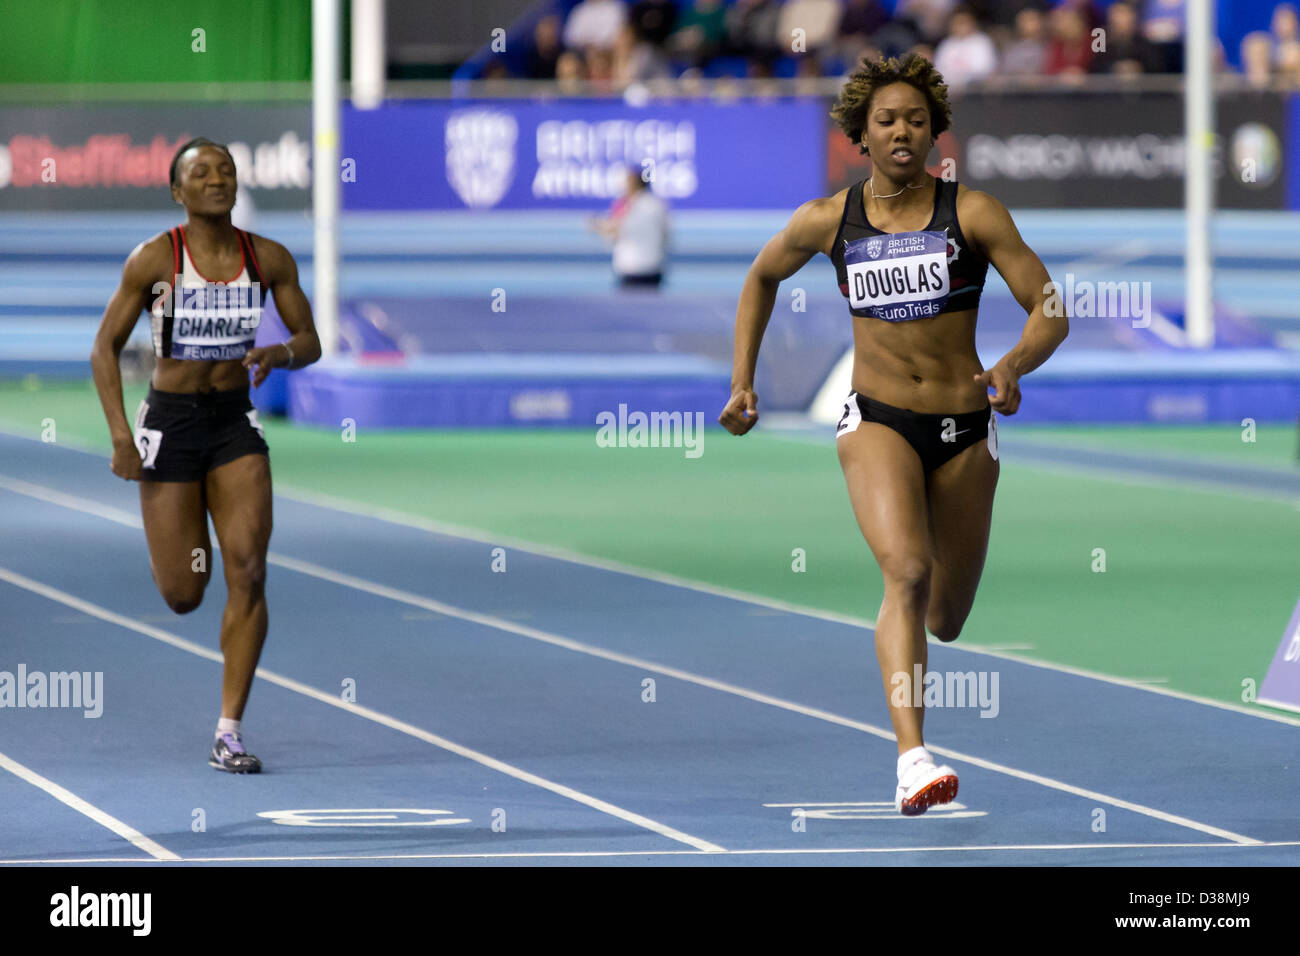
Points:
[1199,579]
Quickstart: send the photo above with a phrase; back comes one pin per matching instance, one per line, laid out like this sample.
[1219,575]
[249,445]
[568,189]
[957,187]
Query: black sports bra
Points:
[902,276]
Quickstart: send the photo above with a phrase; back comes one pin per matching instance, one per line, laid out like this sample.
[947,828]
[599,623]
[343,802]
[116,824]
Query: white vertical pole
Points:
[367,53]
[1198,116]
[325,169]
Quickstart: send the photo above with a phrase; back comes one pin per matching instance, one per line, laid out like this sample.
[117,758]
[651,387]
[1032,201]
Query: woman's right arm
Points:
[808,232]
[134,293]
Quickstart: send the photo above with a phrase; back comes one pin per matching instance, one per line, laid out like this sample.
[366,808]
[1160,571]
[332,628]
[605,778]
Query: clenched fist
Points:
[126,462]
[741,413]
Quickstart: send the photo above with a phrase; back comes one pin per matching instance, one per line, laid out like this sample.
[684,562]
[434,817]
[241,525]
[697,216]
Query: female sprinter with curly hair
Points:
[917,440]
[198,447]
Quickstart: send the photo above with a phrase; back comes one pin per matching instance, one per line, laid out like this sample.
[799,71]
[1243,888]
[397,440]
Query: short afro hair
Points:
[850,110]
[196,141]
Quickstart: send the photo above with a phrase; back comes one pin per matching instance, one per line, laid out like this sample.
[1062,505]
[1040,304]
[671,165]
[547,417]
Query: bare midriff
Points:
[924,365]
[193,375]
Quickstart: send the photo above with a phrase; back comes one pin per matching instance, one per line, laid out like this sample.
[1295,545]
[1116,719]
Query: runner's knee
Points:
[245,572]
[907,578]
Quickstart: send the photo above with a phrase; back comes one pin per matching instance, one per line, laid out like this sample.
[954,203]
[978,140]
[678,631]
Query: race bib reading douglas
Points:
[898,277]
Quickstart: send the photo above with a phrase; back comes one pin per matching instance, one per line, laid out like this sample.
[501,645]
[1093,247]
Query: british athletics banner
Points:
[570,154]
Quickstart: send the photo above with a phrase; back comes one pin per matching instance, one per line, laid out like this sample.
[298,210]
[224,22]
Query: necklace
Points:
[872,185]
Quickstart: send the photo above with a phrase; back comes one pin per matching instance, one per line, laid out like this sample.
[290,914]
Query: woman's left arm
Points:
[281,275]
[988,225]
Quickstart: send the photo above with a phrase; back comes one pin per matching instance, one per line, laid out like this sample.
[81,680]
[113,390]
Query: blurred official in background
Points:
[637,224]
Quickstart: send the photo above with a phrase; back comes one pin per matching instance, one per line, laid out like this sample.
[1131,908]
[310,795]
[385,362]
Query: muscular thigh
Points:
[239,497]
[887,490]
[960,494]
[175,525]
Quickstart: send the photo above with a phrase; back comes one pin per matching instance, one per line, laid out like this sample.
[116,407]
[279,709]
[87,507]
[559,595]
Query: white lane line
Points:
[546,637]
[1034,441]
[90,506]
[106,820]
[1107,258]
[991,651]
[860,803]
[1111,473]
[787,851]
[1158,483]
[488,620]
[86,607]
[419,523]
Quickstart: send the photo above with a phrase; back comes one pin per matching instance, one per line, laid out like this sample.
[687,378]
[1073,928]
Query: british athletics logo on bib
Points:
[898,277]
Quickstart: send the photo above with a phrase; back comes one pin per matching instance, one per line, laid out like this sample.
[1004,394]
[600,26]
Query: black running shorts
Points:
[935,438]
[182,436]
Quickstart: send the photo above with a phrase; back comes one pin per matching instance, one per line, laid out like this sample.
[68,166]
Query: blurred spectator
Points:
[637,225]
[929,18]
[1285,29]
[1069,51]
[861,19]
[700,32]
[1026,55]
[923,49]
[1288,64]
[594,23]
[807,74]
[1220,55]
[854,59]
[896,37]
[1257,59]
[599,64]
[1088,12]
[1127,51]
[690,85]
[998,17]
[1004,13]
[545,53]
[636,60]
[751,30]
[817,18]
[619,43]
[570,75]
[653,20]
[1285,25]
[966,55]
[1163,24]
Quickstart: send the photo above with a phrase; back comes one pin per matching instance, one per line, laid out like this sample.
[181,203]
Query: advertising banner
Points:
[575,154]
[1094,150]
[116,157]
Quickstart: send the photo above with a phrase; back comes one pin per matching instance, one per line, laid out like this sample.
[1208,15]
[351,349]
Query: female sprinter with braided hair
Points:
[198,447]
[917,440]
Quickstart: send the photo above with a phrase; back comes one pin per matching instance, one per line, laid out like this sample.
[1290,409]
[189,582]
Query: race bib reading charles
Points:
[898,276]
